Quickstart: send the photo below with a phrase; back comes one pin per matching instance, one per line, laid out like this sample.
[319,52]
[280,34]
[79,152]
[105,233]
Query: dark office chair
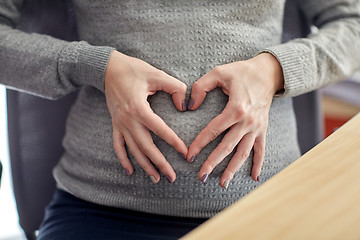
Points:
[0,172]
[36,126]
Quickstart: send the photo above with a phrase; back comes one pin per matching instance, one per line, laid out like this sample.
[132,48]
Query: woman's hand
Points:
[250,86]
[128,83]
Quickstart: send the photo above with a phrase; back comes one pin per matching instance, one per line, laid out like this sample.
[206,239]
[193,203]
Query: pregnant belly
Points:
[187,125]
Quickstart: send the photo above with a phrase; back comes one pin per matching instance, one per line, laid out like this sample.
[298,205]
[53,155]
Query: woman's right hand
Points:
[128,83]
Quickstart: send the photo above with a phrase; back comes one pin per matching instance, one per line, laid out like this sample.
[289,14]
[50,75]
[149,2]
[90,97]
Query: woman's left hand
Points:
[251,86]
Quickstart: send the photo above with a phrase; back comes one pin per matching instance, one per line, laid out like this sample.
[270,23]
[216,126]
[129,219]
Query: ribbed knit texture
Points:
[186,39]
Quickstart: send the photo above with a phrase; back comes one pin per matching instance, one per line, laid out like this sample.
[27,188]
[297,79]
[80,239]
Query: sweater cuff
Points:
[290,61]
[92,65]
[82,64]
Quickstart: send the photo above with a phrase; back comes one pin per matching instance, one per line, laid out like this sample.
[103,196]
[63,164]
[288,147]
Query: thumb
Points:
[199,89]
[176,88]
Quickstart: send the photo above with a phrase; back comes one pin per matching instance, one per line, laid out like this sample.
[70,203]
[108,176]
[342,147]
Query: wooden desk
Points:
[316,197]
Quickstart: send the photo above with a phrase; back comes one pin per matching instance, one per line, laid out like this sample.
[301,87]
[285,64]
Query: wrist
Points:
[271,67]
[116,66]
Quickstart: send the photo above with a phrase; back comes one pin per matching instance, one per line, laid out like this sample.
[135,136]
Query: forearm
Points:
[43,65]
[330,55]
[49,67]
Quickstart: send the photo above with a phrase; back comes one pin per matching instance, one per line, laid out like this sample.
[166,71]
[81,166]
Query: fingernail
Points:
[153,179]
[258,178]
[127,172]
[204,177]
[226,184]
[192,159]
[168,178]
[190,103]
[184,107]
[183,156]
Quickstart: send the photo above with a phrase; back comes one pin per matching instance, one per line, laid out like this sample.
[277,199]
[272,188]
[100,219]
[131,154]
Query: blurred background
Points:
[9,226]
[340,102]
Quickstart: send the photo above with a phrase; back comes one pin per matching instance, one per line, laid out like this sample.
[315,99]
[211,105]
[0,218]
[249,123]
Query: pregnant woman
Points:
[184,106]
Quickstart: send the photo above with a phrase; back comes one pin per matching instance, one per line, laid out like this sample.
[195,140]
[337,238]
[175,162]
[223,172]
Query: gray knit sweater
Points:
[185,39]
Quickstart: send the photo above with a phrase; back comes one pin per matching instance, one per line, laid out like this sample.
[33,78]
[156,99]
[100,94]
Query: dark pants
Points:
[68,217]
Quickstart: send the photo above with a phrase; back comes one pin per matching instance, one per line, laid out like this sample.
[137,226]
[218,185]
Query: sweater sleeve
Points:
[331,54]
[43,65]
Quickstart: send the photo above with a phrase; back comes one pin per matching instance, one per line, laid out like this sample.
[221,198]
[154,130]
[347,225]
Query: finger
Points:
[202,86]
[153,122]
[141,159]
[119,147]
[176,88]
[225,147]
[216,126]
[259,153]
[148,148]
[242,153]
